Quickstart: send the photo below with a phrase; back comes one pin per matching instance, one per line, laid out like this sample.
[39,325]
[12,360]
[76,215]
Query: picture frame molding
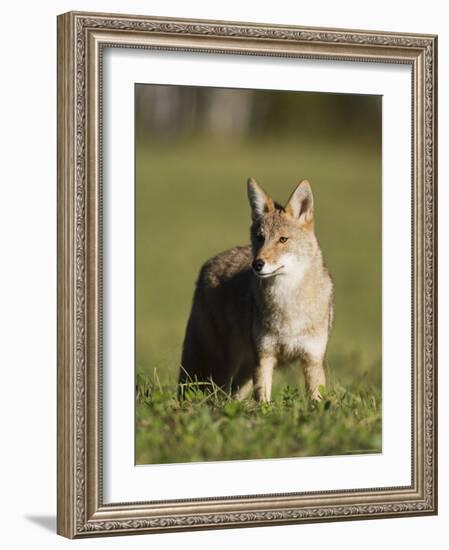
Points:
[81,40]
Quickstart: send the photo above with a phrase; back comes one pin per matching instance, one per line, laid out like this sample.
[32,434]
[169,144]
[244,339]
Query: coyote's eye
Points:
[260,238]
[283,239]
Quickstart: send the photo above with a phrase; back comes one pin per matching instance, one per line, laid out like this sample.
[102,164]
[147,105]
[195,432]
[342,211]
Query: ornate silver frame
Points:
[81,39]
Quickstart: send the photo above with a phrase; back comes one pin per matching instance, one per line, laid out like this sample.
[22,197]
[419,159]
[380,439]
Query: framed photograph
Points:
[246,274]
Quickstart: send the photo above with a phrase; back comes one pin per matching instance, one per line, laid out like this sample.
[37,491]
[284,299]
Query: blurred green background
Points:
[195,149]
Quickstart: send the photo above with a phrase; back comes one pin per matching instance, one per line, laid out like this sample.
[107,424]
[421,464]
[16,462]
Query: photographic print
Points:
[247,277]
[258,298]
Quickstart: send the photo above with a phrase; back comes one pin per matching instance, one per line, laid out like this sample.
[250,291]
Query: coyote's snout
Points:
[261,306]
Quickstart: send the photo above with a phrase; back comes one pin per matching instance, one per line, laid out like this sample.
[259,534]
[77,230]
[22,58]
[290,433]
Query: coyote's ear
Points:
[300,203]
[260,202]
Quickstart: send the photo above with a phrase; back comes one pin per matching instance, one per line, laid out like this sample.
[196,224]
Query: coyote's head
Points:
[283,238]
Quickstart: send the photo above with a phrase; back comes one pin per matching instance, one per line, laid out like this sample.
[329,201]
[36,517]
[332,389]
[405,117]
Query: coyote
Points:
[264,305]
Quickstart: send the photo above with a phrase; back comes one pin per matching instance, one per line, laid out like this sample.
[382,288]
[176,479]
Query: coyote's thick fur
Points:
[261,306]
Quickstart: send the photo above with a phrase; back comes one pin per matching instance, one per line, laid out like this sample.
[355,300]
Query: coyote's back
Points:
[260,306]
[217,340]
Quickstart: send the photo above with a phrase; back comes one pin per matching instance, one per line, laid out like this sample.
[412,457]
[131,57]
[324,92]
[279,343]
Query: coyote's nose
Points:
[258,265]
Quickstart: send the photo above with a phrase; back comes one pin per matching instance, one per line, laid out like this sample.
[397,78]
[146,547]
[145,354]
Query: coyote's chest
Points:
[286,324]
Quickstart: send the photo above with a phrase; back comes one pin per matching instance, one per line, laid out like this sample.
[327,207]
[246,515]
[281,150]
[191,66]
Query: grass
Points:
[191,204]
[212,426]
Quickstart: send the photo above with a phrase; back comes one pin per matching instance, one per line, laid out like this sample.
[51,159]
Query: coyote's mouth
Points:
[267,275]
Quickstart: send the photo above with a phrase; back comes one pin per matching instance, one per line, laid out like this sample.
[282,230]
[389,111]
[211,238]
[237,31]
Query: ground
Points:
[212,426]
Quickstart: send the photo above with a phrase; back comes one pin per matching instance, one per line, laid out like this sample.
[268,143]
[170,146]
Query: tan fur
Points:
[244,323]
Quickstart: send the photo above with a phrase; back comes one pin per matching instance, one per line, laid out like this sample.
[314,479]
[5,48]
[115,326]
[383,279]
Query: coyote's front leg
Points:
[263,377]
[315,377]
